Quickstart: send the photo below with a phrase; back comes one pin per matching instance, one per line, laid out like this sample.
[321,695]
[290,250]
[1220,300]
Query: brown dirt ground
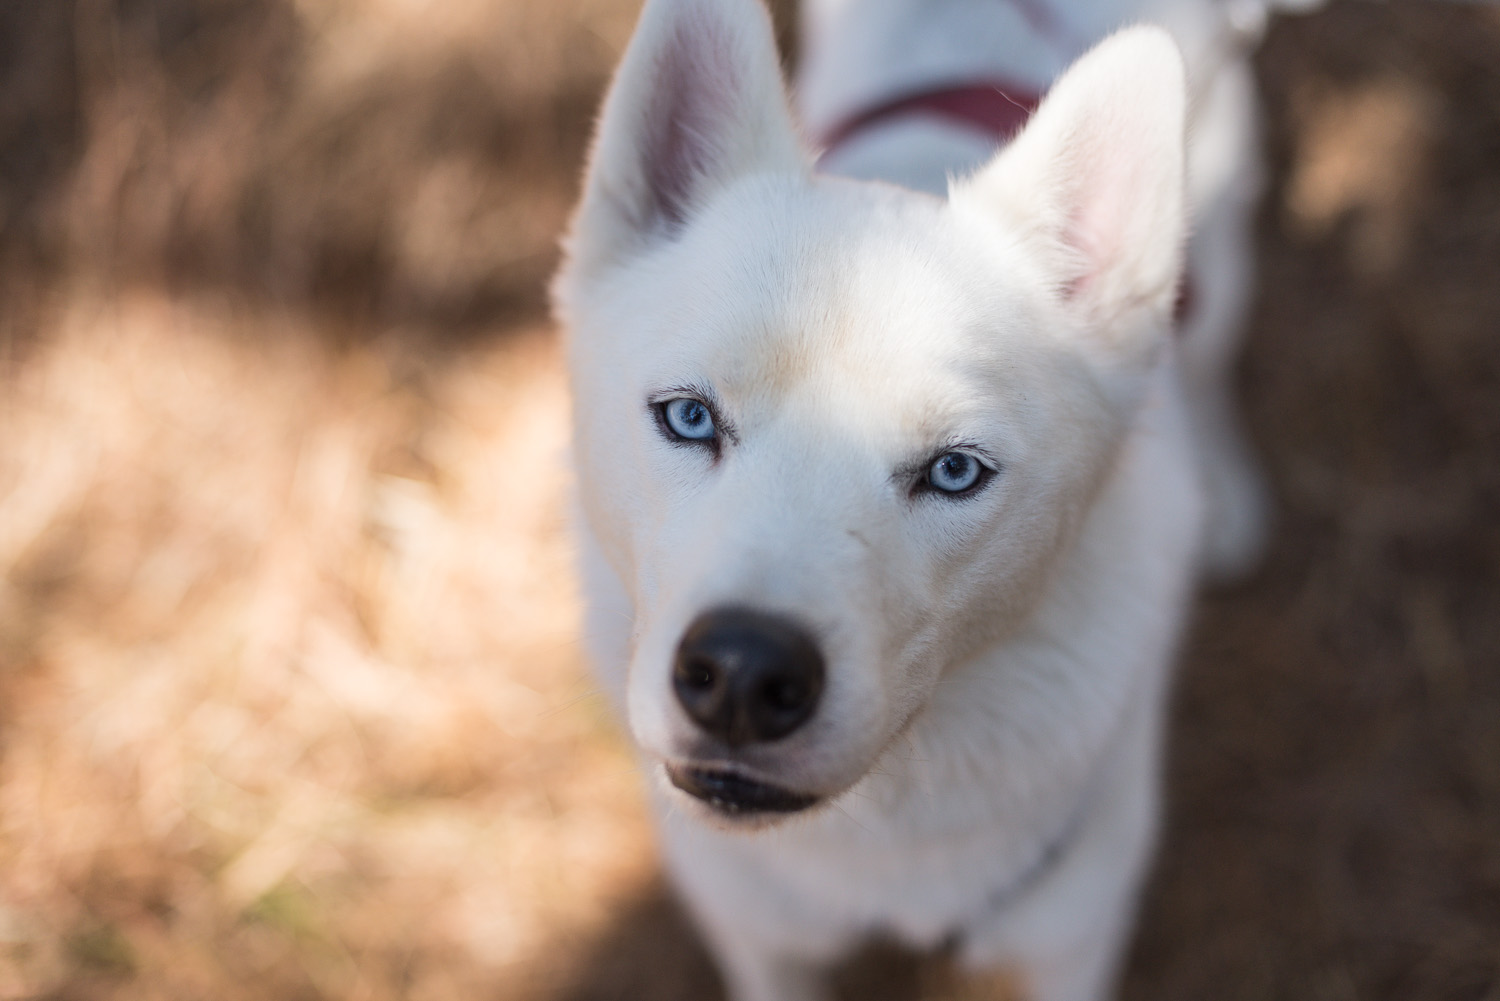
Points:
[291,700]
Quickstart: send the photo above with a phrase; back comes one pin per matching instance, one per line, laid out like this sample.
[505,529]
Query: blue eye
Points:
[688,418]
[954,472]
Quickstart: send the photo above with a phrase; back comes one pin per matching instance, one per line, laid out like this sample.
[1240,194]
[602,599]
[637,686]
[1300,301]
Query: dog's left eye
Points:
[955,473]
[688,418]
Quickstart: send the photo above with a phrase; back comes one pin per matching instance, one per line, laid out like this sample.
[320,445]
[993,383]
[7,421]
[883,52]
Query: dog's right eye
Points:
[687,419]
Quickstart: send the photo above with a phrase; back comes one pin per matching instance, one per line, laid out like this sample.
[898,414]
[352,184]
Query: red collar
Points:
[997,108]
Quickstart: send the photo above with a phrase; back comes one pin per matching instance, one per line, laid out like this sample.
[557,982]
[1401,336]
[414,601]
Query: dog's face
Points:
[833,436]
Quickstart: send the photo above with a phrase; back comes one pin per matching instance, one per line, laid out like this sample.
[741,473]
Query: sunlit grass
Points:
[299,674]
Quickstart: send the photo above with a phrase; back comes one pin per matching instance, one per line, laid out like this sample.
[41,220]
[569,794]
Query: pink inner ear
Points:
[1099,220]
[1086,238]
[691,111]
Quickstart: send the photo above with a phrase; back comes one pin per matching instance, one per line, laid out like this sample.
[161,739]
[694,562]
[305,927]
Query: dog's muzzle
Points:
[746,679]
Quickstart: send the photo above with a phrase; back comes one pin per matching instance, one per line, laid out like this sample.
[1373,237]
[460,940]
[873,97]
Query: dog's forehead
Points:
[832,286]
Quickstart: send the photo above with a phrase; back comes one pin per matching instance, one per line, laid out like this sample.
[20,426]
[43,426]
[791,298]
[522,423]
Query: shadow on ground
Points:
[651,951]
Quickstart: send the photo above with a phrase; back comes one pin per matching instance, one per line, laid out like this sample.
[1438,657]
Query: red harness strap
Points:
[996,108]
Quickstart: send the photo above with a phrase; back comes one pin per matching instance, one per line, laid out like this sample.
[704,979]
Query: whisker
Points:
[592,693]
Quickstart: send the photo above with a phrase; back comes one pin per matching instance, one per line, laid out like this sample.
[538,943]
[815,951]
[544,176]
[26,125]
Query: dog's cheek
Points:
[609,504]
[626,494]
[646,708]
[984,566]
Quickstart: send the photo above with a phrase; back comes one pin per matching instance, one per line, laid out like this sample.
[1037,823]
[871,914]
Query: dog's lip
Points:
[731,792]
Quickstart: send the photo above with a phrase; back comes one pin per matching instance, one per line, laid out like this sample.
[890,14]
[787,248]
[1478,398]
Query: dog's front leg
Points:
[1071,954]
[754,974]
[769,942]
[1085,973]
[755,966]
[1064,938]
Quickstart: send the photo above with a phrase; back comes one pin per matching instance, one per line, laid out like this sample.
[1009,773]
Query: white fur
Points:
[858,53]
[987,744]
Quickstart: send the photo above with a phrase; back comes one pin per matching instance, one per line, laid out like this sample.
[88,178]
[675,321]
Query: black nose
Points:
[747,677]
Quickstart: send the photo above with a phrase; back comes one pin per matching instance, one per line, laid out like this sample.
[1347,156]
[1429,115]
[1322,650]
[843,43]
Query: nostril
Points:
[699,682]
[785,693]
[747,677]
[696,672]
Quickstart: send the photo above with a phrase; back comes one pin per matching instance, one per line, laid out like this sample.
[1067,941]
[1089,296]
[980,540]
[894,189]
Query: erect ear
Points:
[1094,183]
[697,102]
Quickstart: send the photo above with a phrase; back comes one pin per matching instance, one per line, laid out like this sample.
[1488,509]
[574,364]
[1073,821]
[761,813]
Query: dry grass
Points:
[291,689]
[295,706]
[291,696]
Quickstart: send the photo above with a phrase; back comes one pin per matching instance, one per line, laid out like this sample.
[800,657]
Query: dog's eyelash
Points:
[916,473]
[923,487]
[659,414]
[918,466]
[657,403]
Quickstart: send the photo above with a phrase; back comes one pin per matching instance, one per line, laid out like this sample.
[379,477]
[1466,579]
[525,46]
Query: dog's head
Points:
[833,435]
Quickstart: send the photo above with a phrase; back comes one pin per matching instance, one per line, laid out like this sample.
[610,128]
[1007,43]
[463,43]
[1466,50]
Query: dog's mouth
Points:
[734,795]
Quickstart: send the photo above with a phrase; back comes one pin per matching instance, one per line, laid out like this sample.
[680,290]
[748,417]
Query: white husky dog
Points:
[891,493]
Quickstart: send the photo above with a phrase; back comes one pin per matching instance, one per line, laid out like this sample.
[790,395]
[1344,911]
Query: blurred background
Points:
[292,703]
